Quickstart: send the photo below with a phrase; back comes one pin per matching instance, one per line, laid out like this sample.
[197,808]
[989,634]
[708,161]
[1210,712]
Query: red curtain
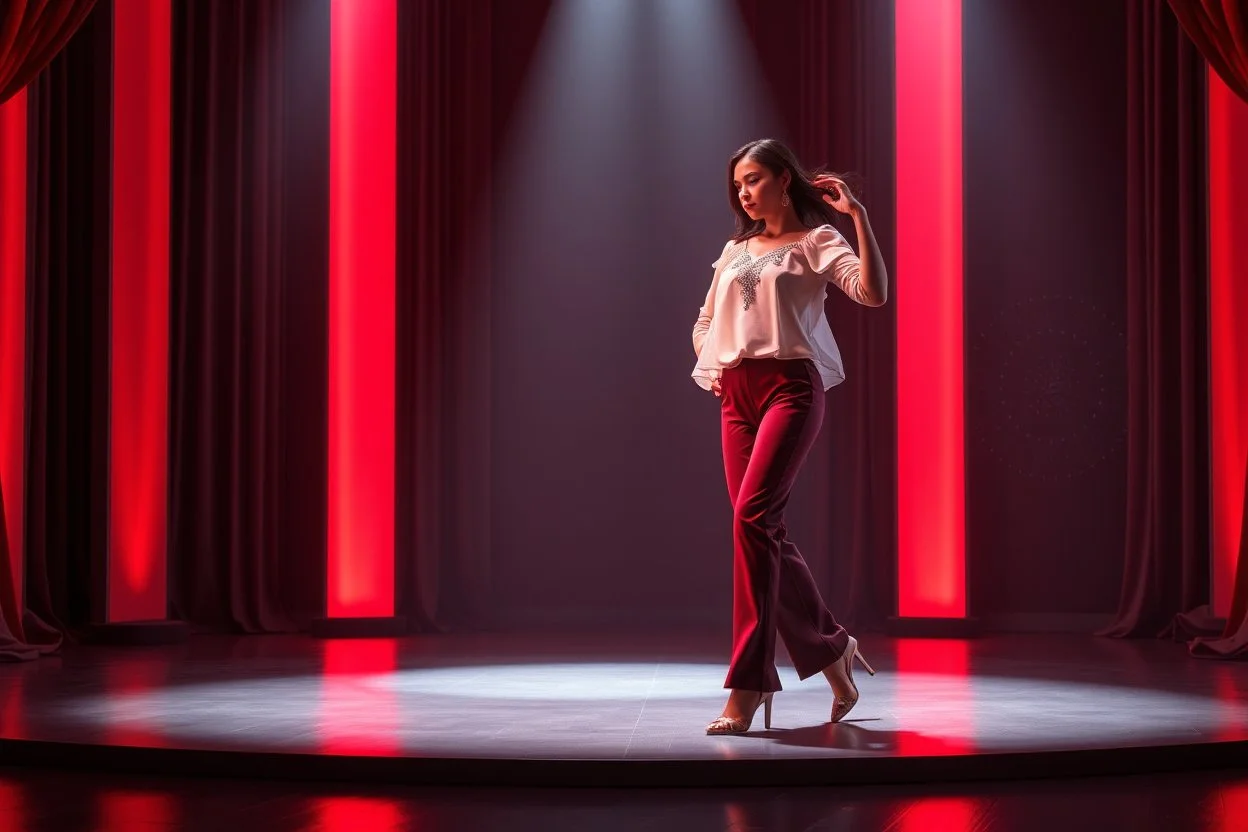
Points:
[1219,28]
[1167,544]
[852,47]
[846,78]
[249,206]
[32,32]
[12,646]
[443,266]
[1233,641]
[247,408]
[67,105]
[250,202]
[460,67]
[23,636]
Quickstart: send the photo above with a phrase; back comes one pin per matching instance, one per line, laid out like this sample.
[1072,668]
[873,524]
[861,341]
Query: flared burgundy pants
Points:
[772,410]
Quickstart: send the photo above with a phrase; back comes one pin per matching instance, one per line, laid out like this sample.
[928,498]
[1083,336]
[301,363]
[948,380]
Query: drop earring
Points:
[784,199]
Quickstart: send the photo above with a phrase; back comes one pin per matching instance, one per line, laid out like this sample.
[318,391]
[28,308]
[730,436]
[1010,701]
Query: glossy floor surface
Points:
[643,700]
[58,802]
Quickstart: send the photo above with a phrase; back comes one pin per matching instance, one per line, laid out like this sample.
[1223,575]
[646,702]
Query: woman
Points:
[765,348]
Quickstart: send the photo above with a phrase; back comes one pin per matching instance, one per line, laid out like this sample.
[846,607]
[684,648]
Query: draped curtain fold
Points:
[62,285]
[447,143]
[1167,543]
[15,644]
[1232,641]
[32,32]
[1219,28]
[239,413]
[847,64]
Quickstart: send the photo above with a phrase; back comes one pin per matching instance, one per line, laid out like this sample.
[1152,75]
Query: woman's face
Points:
[758,189]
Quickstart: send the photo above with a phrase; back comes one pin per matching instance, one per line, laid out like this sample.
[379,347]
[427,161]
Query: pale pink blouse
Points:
[771,306]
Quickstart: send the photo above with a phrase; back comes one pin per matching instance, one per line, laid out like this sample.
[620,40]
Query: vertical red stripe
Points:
[931,571]
[1228,309]
[139,325]
[363,90]
[13,324]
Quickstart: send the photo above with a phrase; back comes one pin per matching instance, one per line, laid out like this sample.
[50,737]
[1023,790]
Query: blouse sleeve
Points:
[703,324]
[829,254]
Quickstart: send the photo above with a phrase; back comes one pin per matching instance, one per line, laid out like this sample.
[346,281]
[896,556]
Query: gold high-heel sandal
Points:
[730,725]
[843,669]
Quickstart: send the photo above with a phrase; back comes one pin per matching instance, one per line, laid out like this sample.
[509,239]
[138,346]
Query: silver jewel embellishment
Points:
[750,274]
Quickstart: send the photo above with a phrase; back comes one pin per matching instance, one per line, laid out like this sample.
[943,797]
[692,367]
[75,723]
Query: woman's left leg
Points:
[810,632]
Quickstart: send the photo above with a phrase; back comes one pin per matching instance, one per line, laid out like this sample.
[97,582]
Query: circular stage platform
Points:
[558,710]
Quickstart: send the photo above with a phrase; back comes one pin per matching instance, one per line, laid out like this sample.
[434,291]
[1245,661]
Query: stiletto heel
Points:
[732,725]
[863,662]
[841,673]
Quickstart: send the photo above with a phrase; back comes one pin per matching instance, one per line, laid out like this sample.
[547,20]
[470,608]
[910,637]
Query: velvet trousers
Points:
[771,413]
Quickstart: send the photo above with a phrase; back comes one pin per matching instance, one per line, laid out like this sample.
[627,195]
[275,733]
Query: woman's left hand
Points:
[840,198]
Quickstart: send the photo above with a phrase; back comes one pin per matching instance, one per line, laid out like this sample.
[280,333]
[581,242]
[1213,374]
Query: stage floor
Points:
[580,710]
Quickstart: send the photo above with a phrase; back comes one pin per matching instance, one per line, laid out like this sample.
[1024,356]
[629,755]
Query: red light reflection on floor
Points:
[943,814]
[12,709]
[358,717]
[1232,691]
[120,811]
[940,669]
[1234,800]
[12,808]
[126,682]
[348,814]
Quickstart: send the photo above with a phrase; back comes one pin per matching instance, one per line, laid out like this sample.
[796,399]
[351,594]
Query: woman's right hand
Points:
[715,388]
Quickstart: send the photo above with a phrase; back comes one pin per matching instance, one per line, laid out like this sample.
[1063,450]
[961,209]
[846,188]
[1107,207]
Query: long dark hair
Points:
[807,200]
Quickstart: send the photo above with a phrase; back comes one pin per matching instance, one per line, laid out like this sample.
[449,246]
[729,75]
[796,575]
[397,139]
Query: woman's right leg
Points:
[810,632]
